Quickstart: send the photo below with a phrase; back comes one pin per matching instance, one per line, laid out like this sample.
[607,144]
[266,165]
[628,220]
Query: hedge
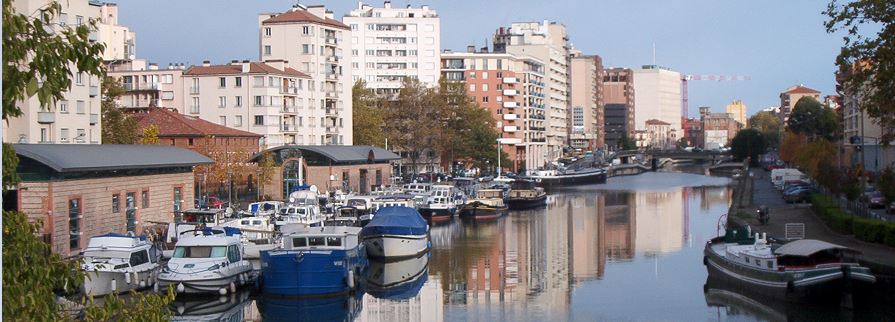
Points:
[874,231]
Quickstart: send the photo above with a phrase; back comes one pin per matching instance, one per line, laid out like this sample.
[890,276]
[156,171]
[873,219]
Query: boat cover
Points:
[396,220]
[808,247]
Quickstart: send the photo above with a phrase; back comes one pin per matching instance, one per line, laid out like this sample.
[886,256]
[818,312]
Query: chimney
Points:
[470,49]
[484,50]
[246,66]
[206,63]
[425,7]
[387,4]
[153,66]
[234,61]
[170,66]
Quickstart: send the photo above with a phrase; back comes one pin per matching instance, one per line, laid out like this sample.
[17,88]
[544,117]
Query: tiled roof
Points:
[171,123]
[236,68]
[298,15]
[801,90]
[656,122]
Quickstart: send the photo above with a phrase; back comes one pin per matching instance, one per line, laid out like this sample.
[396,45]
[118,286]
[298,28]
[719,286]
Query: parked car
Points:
[891,208]
[876,200]
[212,202]
[801,194]
[868,192]
[796,185]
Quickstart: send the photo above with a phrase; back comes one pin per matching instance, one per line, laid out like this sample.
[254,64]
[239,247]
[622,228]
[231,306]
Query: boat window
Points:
[758,263]
[770,264]
[244,222]
[333,241]
[233,254]
[299,242]
[200,251]
[139,257]
[301,211]
[316,241]
[747,260]
[153,254]
[256,222]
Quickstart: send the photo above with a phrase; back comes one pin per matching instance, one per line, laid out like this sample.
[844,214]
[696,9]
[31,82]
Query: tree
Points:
[150,134]
[230,165]
[887,184]
[866,61]
[367,119]
[811,118]
[413,121]
[626,143]
[682,143]
[266,165]
[38,60]
[748,143]
[118,127]
[769,125]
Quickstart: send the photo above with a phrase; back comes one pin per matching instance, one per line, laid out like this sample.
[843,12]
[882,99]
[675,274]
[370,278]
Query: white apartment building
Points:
[309,40]
[120,41]
[390,44]
[657,91]
[270,99]
[75,118]
[512,88]
[148,85]
[547,42]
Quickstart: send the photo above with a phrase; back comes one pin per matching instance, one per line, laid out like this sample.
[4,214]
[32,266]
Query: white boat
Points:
[263,208]
[364,206]
[395,200]
[212,261]
[308,215]
[304,197]
[396,233]
[119,263]
[441,204]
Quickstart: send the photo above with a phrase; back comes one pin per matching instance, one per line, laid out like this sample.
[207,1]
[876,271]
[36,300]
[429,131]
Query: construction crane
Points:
[687,78]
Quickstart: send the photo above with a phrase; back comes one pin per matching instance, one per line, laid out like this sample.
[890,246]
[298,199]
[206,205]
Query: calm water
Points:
[629,250]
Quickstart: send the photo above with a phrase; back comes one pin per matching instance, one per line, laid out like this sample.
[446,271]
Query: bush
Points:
[868,230]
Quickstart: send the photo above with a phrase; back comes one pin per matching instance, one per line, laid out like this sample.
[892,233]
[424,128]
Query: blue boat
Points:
[314,261]
[396,233]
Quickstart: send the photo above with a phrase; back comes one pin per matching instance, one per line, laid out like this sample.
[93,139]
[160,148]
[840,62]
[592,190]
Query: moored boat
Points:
[550,179]
[799,270]
[119,263]
[314,261]
[209,262]
[488,204]
[440,205]
[396,233]
[525,194]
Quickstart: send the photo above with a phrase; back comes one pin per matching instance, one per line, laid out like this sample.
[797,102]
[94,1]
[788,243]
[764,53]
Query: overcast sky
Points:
[776,43]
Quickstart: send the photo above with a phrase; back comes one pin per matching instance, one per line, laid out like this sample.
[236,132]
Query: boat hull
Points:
[482,212]
[526,203]
[208,283]
[99,283]
[558,181]
[827,284]
[395,247]
[437,214]
[311,273]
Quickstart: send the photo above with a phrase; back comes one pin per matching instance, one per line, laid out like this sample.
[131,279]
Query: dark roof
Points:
[299,15]
[105,157]
[808,247]
[236,68]
[657,122]
[343,153]
[171,123]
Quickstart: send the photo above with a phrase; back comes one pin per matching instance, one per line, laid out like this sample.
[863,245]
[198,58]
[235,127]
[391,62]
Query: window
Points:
[484,75]
[266,50]
[472,87]
[299,242]
[485,86]
[267,31]
[63,19]
[307,30]
[178,197]
[167,79]
[167,95]
[299,121]
[43,135]
[307,49]
[316,241]
[259,100]
[63,135]
[190,141]
[354,26]
[222,82]
[200,251]
[222,101]
[238,121]
[138,258]
[411,53]
[144,199]
[63,106]
[79,78]
[74,223]
[771,264]
[371,52]
[115,203]
[79,20]
[81,134]
[233,254]
[259,119]
[484,99]
[223,120]
[238,101]
[238,81]
[333,241]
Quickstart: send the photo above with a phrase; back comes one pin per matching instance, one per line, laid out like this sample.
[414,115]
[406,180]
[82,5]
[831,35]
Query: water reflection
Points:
[234,307]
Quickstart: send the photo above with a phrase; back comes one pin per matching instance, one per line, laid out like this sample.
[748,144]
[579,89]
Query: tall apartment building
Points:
[120,41]
[586,119]
[511,87]
[390,44]
[618,108]
[309,40]
[791,96]
[74,118]
[738,109]
[549,43]
[270,99]
[147,85]
[658,95]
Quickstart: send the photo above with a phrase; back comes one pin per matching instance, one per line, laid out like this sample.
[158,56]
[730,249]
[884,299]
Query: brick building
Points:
[80,191]
[720,128]
[693,132]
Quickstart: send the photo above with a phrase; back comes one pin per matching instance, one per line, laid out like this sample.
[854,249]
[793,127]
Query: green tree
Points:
[626,143]
[413,120]
[866,60]
[769,125]
[118,127]
[38,58]
[150,134]
[748,143]
[682,143]
[811,118]
[367,119]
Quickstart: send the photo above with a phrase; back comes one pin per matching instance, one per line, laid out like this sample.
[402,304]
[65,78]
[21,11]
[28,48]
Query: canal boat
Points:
[557,178]
[487,204]
[396,233]
[799,270]
[314,261]
[265,208]
[525,194]
[119,263]
[211,261]
[393,200]
[364,207]
[345,216]
[306,214]
[399,280]
[441,204]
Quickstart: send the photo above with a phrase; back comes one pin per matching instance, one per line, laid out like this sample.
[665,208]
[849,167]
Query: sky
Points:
[776,43]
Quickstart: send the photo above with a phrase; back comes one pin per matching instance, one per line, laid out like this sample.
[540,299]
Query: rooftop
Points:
[656,122]
[801,90]
[171,123]
[109,157]
[341,153]
[236,68]
[301,15]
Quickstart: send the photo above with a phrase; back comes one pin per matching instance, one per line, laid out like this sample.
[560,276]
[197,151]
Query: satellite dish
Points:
[313,188]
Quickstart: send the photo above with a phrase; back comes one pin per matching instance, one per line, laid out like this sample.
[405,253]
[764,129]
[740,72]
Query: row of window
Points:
[262,101]
[80,106]
[309,31]
[260,121]
[394,27]
[76,207]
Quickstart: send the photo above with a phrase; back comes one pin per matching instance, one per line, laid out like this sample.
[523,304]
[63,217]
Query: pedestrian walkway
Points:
[880,257]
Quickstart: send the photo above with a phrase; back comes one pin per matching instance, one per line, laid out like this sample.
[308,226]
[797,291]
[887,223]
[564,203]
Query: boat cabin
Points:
[304,197]
[362,203]
[265,208]
[417,188]
[401,200]
[809,253]
[120,251]
[490,194]
[321,238]
[207,217]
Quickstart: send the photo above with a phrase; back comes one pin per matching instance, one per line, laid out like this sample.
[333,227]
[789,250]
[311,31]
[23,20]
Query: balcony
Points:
[148,86]
[94,90]
[332,58]
[288,128]
[332,76]
[92,36]
[288,90]
[332,112]
[332,130]
[128,86]
[46,117]
[194,89]
[331,94]
[94,118]
[509,80]
[332,41]
[510,128]
[510,117]
[509,92]
[289,109]
[510,140]
[509,104]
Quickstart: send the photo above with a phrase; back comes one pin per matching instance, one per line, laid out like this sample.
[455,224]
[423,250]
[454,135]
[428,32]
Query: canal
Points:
[627,250]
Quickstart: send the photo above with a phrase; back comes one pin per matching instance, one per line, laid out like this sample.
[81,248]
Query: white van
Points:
[781,176]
